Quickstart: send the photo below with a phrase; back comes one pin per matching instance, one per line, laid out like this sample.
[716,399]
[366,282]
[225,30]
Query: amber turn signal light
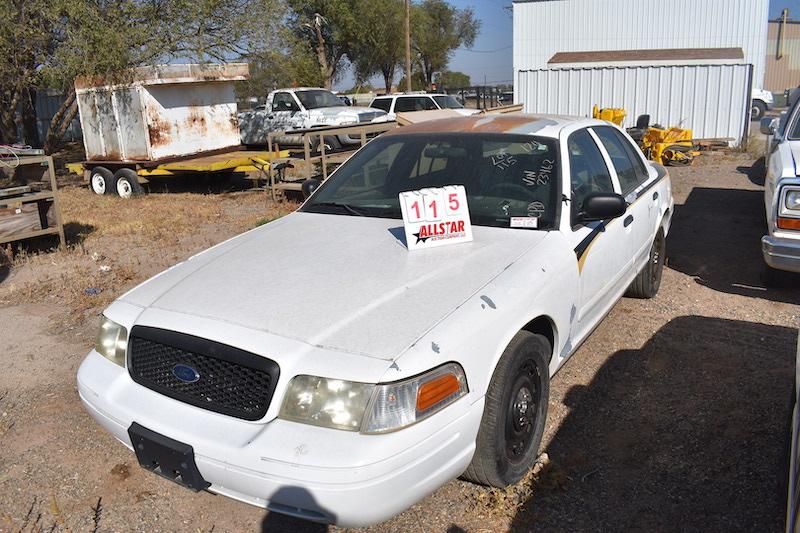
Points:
[788,223]
[436,390]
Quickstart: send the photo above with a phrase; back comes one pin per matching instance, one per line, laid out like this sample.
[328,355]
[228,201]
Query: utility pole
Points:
[408,45]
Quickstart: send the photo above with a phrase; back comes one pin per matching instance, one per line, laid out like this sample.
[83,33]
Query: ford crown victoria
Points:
[370,375]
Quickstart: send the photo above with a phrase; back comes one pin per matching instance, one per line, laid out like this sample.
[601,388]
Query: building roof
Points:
[656,54]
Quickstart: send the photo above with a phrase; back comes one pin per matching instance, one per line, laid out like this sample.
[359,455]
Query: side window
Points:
[630,169]
[381,103]
[283,102]
[588,171]
[403,104]
[424,103]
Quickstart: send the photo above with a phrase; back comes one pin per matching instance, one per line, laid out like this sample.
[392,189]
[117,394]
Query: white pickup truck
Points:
[371,375]
[303,108]
[781,245]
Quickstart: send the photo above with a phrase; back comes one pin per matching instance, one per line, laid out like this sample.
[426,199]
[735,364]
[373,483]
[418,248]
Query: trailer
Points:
[160,121]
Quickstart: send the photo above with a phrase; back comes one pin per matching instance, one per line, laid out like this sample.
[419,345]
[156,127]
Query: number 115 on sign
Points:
[435,216]
[433,205]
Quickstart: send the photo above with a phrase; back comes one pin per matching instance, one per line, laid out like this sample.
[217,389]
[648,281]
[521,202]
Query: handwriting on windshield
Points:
[503,160]
[540,176]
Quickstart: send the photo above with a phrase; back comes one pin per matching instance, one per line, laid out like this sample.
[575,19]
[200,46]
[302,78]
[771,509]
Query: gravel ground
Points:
[671,416]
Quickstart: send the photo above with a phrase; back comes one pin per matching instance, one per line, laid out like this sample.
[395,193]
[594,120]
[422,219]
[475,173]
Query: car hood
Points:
[337,282]
[345,112]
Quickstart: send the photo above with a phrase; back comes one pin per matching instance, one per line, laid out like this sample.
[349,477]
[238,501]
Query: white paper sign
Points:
[435,217]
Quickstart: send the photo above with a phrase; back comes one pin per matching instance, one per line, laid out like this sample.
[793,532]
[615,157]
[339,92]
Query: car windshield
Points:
[318,98]
[448,102]
[504,176]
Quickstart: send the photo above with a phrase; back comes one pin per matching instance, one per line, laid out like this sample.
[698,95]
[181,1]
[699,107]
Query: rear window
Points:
[382,103]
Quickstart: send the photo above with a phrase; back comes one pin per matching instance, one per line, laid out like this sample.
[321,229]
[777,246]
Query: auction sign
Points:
[435,217]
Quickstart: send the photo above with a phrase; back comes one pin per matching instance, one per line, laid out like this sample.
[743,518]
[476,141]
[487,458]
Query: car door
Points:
[632,175]
[600,247]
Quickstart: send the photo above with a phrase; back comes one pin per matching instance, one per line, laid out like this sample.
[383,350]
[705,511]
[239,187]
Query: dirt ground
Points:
[672,416]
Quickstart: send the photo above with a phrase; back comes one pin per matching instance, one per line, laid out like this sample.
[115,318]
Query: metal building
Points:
[543,28]
[783,55]
[711,100]
[696,72]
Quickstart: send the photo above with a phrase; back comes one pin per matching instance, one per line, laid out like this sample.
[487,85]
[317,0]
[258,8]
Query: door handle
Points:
[628,220]
[655,195]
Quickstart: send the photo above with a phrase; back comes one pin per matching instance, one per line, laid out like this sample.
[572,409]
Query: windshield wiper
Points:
[347,207]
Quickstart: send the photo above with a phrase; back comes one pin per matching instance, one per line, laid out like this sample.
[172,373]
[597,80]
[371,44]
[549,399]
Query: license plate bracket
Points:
[166,457]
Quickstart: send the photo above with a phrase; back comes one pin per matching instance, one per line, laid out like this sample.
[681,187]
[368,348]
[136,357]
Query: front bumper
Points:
[782,254]
[318,474]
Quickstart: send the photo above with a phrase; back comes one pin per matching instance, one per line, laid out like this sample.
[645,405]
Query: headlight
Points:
[400,404]
[112,341]
[792,200]
[371,408]
[325,402]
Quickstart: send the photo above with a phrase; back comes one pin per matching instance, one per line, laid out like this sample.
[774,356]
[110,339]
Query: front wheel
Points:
[648,281]
[514,415]
[757,110]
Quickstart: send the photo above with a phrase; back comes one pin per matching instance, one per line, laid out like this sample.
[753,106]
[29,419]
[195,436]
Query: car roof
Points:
[519,123]
[397,95]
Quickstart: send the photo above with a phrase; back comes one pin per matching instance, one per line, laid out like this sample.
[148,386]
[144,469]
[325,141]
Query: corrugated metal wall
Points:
[712,100]
[784,72]
[543,28]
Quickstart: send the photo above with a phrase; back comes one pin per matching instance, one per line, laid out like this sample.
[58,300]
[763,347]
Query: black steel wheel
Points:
[514,414]
[648,281]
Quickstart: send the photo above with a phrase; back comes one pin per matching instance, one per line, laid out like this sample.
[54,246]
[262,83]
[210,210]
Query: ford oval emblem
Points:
[185,373]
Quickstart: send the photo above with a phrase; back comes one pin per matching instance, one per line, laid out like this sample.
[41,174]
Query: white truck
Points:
[301,109]
[392,371]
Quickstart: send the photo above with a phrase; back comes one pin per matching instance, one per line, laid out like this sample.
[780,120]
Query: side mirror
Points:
[602,206]
[309,186]
[769,125]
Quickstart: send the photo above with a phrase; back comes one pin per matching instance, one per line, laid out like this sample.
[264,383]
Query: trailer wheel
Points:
[127,183]
[100,180]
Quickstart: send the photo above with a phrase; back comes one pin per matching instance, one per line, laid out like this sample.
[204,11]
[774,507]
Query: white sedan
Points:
[362,375]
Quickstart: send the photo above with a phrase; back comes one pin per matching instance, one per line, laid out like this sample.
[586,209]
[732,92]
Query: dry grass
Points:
[115,244]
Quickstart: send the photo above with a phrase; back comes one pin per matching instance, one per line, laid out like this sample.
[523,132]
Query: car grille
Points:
[225,379]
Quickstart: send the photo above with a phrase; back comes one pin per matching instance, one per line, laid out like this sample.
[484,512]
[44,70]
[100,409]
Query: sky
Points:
[491,57]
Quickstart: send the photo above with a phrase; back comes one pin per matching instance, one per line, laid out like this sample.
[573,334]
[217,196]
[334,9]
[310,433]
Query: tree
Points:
[417,81]
[437,30]
[378,43]
[451,79]
[50,42]
[326,29]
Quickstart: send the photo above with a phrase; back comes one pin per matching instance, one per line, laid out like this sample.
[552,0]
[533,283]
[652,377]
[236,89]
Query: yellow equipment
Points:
[611,114]
[671,146]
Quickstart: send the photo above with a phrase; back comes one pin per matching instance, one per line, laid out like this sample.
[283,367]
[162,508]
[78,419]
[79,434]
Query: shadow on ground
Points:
[715,237]
[686,433]
[756,173]
[205,183]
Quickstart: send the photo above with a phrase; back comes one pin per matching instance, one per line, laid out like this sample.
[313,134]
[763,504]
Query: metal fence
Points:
[479,96]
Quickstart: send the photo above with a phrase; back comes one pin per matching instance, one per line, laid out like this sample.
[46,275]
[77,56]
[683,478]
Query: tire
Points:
[519,391]
[757,110]
[127,183]
[647,282]
[332,144]
[101,180]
